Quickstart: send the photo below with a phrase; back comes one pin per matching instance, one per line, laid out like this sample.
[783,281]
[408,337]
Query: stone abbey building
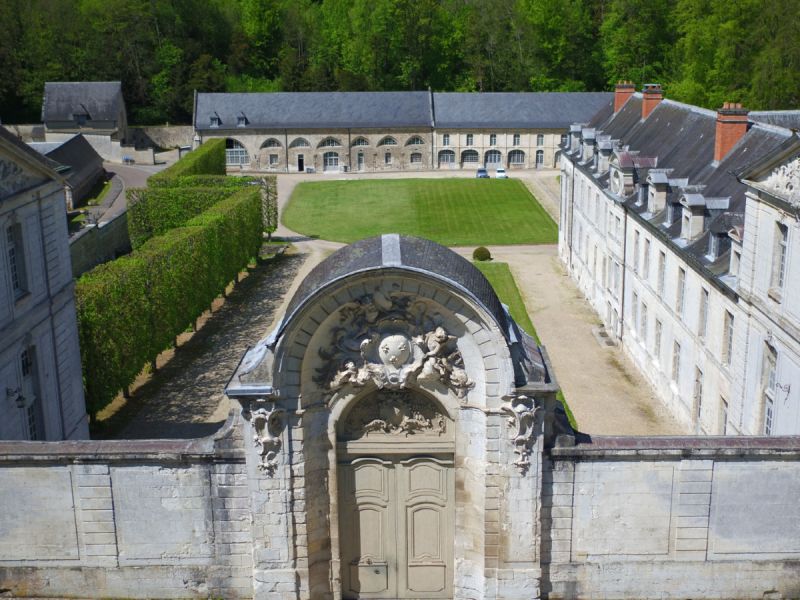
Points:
[367,132]
[398,436]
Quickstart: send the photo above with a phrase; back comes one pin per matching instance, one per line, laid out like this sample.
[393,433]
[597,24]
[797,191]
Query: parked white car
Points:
[501,173]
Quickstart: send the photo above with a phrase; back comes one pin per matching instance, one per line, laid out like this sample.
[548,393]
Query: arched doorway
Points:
[516,158]
[470,158]
[493,159]
[235,154]
[396,497]
[330,161]
[447,159]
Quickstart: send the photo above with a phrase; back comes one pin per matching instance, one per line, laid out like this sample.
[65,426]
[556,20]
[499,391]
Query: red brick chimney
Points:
[622,91]
[651,96]
[731,126]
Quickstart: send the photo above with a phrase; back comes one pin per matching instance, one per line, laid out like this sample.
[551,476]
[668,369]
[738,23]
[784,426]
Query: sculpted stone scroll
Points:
[784,182]
[394,413]
[522,411]
[390,340]
[267,425]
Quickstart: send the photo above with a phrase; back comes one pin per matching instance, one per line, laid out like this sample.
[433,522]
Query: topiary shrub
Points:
[481,253]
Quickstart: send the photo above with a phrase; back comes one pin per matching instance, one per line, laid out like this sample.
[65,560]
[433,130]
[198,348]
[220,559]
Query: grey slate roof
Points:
[76,153]
[508,110]
[102,100]
[9,138]
[790,119]
[405,253]
[296,110]
[325,110]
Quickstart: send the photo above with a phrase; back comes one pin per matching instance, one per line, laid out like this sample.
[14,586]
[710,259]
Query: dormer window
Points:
[713,246]
[215,120]
[241,120]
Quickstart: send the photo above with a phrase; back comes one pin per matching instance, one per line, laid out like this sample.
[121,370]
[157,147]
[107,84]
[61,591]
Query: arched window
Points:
[271,143]
[415,141]
[416,158]
[469,157]
[329,142]
[360,141]
[330,161]
[447,158]
[235,154]
[539,158]
[493,157]
[516,157]
[299,143]
[388,141]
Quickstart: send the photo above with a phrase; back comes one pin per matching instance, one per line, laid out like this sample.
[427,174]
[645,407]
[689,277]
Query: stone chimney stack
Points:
[622,91]
[731,126]
[651,96]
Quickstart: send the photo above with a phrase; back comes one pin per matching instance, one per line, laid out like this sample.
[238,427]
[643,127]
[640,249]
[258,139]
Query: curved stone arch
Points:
[295,357]
[237,152]
[415,140]
[360,142]
[329,142]
[271,143]
[387,140]
[299,142]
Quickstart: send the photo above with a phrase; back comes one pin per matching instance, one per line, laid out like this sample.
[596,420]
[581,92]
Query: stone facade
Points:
[41,389]
[674,257]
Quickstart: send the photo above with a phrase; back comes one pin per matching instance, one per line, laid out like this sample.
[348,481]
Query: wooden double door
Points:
[396,527]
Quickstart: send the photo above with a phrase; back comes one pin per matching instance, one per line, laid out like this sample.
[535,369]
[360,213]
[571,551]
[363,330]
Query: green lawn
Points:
[452,212]
[499,275]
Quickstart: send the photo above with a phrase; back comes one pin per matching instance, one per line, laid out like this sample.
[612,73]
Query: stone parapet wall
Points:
[98,244]
[133,519]
[672,518]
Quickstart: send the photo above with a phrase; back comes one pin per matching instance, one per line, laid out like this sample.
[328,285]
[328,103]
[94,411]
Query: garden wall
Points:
[673,518]
[95,245]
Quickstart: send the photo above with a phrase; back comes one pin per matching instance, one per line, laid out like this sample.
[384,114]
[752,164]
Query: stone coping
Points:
[671,447]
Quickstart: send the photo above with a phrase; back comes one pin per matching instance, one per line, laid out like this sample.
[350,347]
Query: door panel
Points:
[396,528]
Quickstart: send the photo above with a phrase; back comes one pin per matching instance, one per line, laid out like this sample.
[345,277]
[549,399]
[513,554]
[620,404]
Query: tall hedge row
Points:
[208,159]
[131,309]
[153,211]
[216,181]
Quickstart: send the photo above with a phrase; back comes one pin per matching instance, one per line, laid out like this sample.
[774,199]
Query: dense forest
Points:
[702,51]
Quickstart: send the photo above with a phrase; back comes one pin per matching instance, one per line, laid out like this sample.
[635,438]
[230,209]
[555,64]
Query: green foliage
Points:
[481,253]
[207,181]
[453,212]
[153,211]
[132,308]
[208,159]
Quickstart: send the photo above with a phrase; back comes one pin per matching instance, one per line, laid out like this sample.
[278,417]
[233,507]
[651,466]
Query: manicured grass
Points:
[499,275]
[452,212]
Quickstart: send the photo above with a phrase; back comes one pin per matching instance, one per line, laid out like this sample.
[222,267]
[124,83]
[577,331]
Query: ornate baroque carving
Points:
[784,182]
[522,411]
[386,338]
[394,413]
[267,425]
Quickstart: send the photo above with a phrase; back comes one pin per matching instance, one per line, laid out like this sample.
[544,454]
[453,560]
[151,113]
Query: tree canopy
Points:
[702,51]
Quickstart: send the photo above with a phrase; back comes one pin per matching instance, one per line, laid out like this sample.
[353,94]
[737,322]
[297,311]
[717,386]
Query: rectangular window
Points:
[618,228]
[563,139]
[698,393]
[676,362]
[657,339]
[646,260]
[16,260]
[540,139]
[662,263]
[702,322]
[769,383]
[516,139]
[643,323]
[779,256]
[727,339]
[635,313]
[446,139]
[636,252]
[469,139]
[34,419]
[492,139]
[273,160]
[387,158]
[724,416]
[681,292]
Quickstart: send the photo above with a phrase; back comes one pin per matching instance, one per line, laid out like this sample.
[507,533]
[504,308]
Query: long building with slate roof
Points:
[390,131]
[689,261]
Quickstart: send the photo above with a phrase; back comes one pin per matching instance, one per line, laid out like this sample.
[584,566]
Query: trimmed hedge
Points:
[208,159]
[153,211]
[131,309]
[215,181]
